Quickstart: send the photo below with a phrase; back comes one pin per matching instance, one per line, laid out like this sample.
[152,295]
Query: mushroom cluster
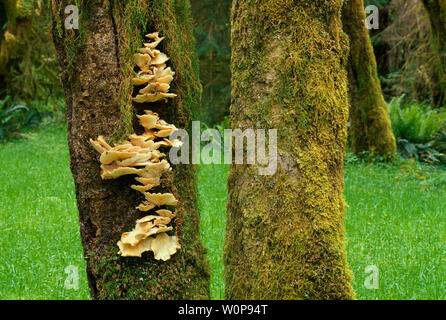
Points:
[140,156]
[154,75]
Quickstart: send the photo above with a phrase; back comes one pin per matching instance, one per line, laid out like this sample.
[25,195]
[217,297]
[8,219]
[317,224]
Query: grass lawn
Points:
[396,222]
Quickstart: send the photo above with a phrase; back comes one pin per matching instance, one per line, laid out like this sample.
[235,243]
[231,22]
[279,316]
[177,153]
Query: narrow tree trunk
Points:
[371,128]
[285,232]
[437,16]
[97,68]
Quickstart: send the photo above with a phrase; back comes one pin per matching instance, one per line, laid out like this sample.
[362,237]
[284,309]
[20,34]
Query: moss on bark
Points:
[96,81]
[285,233]
[371,129]
[437,16]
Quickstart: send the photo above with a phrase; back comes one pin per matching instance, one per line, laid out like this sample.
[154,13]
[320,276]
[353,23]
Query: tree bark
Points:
[97,62]
[371,129]
[285,233]
[437,16]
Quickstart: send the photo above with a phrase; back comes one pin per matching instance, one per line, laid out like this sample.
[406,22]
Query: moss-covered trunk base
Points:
[97,67]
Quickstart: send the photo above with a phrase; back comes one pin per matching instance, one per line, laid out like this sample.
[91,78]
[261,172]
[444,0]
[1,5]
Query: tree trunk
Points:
[13,39]
[437,16]
[285,232]
[212,31]
[371,129]
[97,68]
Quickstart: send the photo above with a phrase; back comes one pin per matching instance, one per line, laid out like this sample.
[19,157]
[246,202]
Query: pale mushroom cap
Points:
[127,250]
[165,213]
[115,171]
[137,161]
[148,121]
[143,79]
[145,206]
[164,246]
[142,60]
[134,237]
[97,146]
[155,169]
[166,132]
[108,157]
[161,199]
[153,97]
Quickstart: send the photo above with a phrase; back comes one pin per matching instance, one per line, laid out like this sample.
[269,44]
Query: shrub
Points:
[414,121]
[14,117]
[419,130]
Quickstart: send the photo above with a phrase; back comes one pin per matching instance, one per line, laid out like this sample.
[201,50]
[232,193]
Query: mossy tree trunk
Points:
[16,17]
[97,68]
[285,232]
[371,129]
[437,16]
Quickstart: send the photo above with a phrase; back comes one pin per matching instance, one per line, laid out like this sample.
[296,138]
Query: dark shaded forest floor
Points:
[395,224]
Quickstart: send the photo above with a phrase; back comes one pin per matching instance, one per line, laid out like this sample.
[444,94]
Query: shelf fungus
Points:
[154,75]
[140,156]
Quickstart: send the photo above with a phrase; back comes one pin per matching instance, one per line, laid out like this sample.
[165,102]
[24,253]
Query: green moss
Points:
[285,234]
[129,278]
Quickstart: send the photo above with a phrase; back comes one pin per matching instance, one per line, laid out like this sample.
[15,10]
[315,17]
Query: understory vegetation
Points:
[395,217]
[420,130]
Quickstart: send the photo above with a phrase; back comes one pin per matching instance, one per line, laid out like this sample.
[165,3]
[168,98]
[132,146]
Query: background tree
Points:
[97,66]
[29,69]
[285,232]
[381,47]
[212,31]
[437,16]
[15,21]
[371,129]
[402,46]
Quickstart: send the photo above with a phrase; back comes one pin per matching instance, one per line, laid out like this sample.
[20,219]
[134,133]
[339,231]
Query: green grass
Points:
[38,219]
[395,221]
[212,203]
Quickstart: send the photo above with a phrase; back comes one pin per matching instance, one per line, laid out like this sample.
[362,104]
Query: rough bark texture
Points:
[370,122]
[95,61]
[437,16]
[285,233]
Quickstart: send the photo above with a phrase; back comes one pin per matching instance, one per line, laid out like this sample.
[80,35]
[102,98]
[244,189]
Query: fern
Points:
[415,122]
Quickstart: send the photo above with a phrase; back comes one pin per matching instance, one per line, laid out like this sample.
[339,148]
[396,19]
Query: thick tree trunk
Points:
[97,67]
[371,129]
[285,232]
[437,16]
